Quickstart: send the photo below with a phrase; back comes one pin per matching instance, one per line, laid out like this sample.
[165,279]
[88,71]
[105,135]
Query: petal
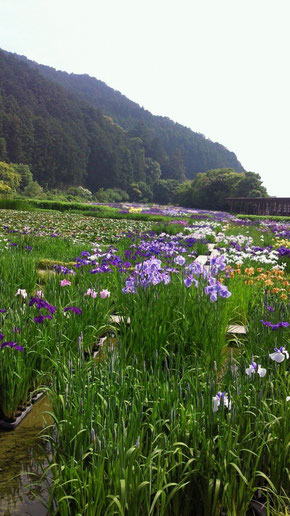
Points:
[277,357]
[216,403]
[261,372]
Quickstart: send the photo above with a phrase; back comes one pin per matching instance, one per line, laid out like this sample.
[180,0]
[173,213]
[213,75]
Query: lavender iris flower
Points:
[221,398]
[179,260]
[214,289]
[279,355]
[217,264]
[189,280]
[255,368]
[149,272]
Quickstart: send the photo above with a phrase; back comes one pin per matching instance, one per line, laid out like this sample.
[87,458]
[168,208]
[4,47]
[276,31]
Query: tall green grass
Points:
[144,440]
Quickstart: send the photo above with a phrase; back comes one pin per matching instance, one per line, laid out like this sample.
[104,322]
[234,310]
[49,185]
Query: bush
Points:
[278,218]
[111,195]
[15,204]
[33,190]
[59,205]
[79,191]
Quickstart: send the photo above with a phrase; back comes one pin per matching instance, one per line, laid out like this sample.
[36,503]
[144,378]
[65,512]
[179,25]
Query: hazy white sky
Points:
[220,67]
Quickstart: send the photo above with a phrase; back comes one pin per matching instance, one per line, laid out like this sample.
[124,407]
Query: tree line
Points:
[78,137]
[208,190]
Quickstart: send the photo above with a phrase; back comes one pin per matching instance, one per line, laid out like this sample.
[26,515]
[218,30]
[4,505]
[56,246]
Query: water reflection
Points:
[20,455]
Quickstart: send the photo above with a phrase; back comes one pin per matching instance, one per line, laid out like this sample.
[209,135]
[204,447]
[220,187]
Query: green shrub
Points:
[278,218]
[15,204]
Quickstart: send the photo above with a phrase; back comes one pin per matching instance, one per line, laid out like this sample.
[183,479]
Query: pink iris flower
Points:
[65,283]
[104,293]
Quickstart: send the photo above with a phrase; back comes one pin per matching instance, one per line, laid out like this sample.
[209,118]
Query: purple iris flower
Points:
[215,289]
[40,303]
[1,336]
[217,264]
[281,324]
[2,311]
[269,308]
[223,291]
[11,344]
[146,273]
[180,260]
[73,309]
[40,318]
[283,251]
[189,280]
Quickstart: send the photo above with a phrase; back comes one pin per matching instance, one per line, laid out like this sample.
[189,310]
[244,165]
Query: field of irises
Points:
[158,407]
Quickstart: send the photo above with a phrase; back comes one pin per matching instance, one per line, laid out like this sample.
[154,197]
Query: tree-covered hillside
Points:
[180,152]
[63,139]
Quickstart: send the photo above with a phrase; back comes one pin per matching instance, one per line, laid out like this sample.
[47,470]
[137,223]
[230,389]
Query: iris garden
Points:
[156,407]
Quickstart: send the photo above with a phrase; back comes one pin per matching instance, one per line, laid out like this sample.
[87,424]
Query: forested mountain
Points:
[65,140]
[179,151]
[74,129]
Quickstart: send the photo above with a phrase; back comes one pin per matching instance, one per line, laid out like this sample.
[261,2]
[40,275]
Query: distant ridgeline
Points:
[75,130]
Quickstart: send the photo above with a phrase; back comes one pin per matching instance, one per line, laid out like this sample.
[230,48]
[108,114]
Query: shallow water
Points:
[20,455]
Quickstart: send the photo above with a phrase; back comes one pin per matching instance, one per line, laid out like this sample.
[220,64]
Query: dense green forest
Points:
[63,139]
[180,152]
[75,130]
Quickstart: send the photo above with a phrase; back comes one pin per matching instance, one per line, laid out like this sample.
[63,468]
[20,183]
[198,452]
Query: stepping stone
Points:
[236,329]
[109,343]
[214,254]
[210,247]
[102,340]
[119,319]
[97,350]
[45,273]
[201,259]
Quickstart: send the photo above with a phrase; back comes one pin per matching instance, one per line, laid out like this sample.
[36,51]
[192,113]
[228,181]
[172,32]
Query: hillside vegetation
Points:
[75,130]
